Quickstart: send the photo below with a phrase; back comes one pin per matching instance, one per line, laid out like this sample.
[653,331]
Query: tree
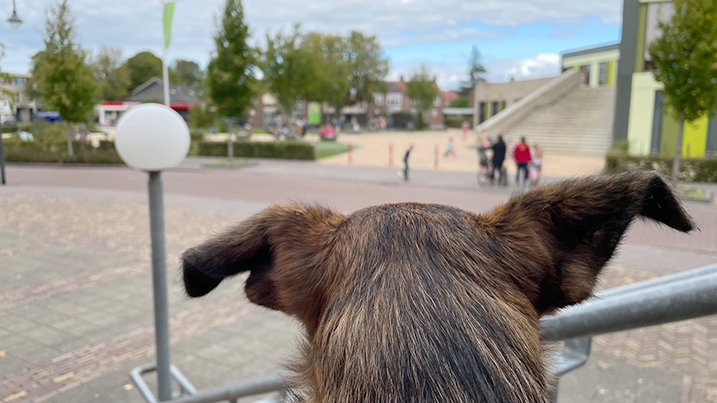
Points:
[3,92]
[352,68]
[112,75]
[368,67]
[422,90]
[142,67]
[290,69]
[188,73]
[461,102]
[475,67]
[684,58]
[64,79]
[230,75]
[327,52]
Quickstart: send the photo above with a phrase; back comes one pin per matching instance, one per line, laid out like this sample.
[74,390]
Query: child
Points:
[449,148]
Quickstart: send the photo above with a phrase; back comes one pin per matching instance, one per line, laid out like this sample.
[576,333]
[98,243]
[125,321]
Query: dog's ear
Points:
[280,247]
[570,230]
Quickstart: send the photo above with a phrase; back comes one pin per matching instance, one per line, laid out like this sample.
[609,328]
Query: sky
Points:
[517,38]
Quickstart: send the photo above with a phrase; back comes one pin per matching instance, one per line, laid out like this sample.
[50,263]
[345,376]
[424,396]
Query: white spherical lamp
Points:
[152,137]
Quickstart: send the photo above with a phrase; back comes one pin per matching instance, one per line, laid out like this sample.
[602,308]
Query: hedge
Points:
[17,150]
[251,149]
[25,151]
[702,170]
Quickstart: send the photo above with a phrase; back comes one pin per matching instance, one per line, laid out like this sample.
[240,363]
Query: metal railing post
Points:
[159,282]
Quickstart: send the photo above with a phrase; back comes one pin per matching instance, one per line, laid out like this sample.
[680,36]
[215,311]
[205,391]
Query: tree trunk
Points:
[678,152]
[70,151]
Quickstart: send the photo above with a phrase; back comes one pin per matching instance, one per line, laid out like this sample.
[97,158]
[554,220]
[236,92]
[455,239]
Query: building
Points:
[597,65]
[181,100]
[640,116]
[13,88]
[491,98]
[396,101]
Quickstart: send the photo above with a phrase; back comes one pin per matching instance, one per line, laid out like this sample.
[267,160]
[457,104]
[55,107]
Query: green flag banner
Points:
[168,14]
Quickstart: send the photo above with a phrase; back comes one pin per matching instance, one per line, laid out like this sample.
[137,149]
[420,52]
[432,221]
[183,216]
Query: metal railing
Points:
[673,298]
[681,296]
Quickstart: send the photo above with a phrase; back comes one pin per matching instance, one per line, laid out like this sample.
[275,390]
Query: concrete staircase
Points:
[578,122]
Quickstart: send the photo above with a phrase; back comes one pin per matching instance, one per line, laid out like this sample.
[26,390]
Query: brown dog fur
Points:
[426,303]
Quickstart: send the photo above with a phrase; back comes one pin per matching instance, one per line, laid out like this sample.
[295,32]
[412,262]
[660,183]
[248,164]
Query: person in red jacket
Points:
[522,158]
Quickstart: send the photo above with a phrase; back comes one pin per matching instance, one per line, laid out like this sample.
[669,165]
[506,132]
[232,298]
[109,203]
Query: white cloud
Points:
[542,65]
[452,76]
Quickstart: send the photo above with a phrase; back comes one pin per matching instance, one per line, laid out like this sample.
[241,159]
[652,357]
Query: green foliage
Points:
[620,147]
[188,73]
[351,68]
[230,75]
[200,117]
[222,126]
[290,69]
[456,122]
[113,77]
[461,102]
[27,151]
[475,67]
[291,150]
[142,67]
[63,77]
[420,122]
[684,57]
[691,170]
[368,66]
[422,89]
[15,127]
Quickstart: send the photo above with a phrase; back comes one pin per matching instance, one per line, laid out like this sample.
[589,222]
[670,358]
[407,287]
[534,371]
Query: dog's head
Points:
[405,265]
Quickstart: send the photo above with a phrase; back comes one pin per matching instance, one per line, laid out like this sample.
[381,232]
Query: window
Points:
[437,102]
[494,108]
[603,74]
[394,99]
[378,98]
[481,113]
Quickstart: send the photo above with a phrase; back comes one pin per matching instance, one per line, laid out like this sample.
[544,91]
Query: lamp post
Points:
[14,20]
[153,137]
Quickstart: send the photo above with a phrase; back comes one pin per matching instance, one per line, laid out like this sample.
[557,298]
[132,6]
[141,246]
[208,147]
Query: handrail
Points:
[523,106]
[246,387]
[673,301]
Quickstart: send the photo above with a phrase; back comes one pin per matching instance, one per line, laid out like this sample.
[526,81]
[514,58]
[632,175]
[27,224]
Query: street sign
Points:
[5,106]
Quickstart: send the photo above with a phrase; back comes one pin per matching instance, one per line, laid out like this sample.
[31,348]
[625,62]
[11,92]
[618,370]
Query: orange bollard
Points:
[349,153]
[435,160]
[390,154]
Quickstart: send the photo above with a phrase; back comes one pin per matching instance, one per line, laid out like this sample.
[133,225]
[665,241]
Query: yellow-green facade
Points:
[652,128]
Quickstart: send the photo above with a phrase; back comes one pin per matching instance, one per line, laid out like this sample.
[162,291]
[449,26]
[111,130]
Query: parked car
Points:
[48,116]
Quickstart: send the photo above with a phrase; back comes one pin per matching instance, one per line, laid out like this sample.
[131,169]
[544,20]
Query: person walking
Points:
[522,159]
[499,150]
[449,149]
[406,157]
[536,154]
